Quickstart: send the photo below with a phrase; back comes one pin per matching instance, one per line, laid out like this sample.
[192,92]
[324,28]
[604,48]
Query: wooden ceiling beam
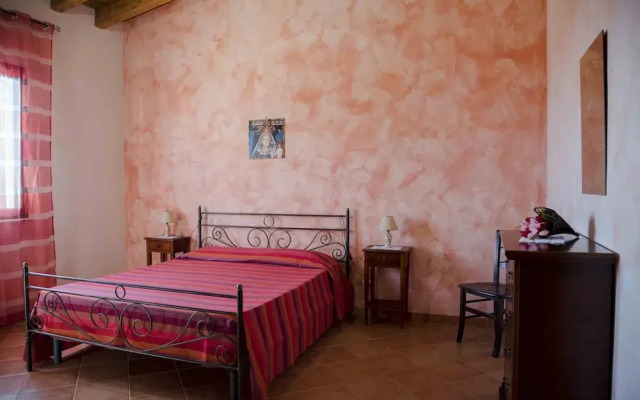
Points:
[64,5]
[122,10]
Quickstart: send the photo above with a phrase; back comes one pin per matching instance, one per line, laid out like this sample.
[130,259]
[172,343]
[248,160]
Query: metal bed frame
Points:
[268,234]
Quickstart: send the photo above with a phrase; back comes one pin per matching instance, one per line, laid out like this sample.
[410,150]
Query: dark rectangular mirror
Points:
[593,105]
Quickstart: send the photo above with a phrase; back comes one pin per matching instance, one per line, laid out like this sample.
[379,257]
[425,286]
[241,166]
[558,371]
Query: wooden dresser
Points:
[559,320]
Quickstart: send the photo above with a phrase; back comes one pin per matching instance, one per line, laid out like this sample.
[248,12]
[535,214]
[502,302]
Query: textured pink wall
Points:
[613,220]
[432,111]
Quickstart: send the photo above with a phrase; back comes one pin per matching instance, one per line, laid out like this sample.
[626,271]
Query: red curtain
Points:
[26,230]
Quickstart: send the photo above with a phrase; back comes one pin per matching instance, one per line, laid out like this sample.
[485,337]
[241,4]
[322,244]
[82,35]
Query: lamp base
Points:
[387,239]
[167,230]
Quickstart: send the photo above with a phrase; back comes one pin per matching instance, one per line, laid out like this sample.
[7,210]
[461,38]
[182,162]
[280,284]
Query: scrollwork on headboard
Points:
[323,239]
[269,234]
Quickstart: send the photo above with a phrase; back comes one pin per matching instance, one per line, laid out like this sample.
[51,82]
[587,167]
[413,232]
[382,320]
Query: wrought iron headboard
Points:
[268,234]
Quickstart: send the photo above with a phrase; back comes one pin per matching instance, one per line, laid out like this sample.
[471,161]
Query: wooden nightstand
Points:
[166,245]
[383,258]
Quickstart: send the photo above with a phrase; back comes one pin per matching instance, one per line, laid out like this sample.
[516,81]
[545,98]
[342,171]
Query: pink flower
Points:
[532,227]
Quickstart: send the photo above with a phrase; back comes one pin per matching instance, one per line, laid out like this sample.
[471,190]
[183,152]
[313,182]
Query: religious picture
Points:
[266,138]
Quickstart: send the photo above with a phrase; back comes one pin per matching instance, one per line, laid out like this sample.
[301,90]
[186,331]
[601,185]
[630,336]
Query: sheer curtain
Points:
[26,209]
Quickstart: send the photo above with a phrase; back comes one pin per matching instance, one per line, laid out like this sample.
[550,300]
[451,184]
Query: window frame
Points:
[19,212]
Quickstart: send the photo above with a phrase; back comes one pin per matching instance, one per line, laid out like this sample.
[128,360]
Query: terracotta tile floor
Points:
[350,362]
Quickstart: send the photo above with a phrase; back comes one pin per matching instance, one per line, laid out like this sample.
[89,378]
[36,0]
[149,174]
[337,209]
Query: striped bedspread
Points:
[291,297]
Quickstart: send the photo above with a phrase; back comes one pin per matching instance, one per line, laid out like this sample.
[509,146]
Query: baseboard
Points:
[436,318]
[449,319]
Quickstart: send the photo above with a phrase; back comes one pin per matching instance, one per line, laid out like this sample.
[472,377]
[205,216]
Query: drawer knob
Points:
[383,258]
[507,351]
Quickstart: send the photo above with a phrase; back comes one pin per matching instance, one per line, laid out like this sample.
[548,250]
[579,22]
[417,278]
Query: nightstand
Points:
[384,258]
[166,245]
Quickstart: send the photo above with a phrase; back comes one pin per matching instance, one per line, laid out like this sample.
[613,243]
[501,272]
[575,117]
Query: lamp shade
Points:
[387,223]
[167,217]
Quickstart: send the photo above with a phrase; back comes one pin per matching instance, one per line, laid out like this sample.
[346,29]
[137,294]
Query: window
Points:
[10,147]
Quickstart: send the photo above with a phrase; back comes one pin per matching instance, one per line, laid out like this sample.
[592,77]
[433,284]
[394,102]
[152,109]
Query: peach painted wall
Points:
[87,117]
[613,219]
[432,111]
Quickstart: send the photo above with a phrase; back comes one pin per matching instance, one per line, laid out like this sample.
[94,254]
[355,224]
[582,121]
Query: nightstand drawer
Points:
[391,260]
[159,246]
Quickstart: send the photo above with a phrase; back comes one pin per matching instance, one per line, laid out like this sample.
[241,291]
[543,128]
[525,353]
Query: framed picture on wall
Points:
[266,138]
[593,116]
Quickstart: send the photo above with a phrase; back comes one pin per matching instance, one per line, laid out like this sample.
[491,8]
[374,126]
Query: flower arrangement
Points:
[546,223]
[533,227]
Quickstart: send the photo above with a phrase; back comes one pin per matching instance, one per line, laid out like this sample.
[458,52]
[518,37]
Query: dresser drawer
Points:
[391,260]
[508,352]
[509,281]
[159,245]
[505,390]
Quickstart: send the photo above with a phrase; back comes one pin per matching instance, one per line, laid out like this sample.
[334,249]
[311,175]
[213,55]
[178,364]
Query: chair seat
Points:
[485,289]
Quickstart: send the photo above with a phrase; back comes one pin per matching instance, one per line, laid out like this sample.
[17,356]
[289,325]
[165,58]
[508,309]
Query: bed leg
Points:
[28,352]
[57,352]
[233,384]
[27,334]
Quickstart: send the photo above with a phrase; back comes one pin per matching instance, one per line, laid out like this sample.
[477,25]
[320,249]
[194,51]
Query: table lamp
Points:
[167,218]
[387,223]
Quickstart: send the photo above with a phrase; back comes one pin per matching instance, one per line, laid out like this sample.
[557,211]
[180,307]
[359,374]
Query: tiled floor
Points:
[350,362]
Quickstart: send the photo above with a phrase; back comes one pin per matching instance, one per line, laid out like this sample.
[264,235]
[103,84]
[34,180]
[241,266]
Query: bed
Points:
[249,307]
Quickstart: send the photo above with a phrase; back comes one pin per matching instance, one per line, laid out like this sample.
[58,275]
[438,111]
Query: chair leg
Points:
[462,317]
[498,306]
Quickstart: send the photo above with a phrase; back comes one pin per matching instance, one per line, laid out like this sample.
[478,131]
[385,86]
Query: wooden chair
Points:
[485,291]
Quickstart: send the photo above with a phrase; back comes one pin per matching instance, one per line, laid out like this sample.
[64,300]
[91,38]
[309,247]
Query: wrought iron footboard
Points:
[119,318]
[129,319]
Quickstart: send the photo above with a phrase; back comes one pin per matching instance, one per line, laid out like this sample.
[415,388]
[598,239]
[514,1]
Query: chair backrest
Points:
[498,262]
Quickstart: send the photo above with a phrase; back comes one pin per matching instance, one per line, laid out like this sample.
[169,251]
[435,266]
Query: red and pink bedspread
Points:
[291,297]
